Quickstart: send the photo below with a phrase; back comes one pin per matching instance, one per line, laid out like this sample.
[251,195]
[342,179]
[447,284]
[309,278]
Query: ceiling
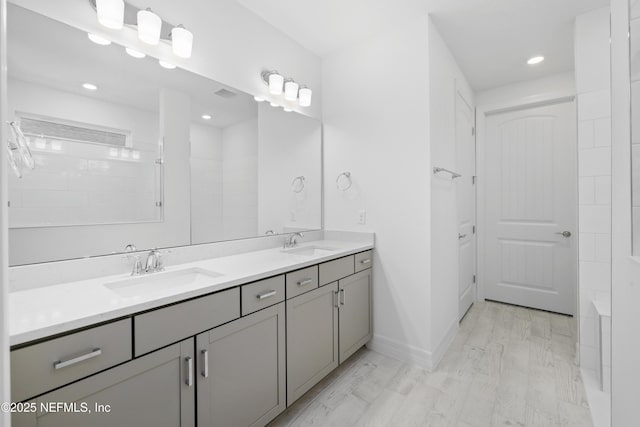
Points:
[491,39]
[47,52]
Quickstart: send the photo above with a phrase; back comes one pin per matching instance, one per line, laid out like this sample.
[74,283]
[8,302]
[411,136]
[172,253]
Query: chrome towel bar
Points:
[454,175]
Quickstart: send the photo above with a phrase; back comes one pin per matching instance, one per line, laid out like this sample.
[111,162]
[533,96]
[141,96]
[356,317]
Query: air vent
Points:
[49,128]
[225,93]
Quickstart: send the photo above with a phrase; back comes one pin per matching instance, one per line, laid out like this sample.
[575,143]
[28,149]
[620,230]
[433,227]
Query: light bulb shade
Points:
[182,42]
[149,26]
[291,90]
[305,96]
[276,81]
[110,13]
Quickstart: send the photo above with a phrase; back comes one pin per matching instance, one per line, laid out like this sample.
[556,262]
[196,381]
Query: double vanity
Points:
[229,341]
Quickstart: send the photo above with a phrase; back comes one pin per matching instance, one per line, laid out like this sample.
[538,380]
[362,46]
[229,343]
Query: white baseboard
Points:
[410,354]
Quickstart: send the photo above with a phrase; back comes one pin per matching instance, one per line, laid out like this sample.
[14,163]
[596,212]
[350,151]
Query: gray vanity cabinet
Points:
[241,370]
[155,390]
[312,339]
[354,298]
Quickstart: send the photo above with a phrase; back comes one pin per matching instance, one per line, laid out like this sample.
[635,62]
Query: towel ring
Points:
[298,184]
[347,180]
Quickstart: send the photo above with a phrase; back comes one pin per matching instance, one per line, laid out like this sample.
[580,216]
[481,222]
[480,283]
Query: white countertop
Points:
[41,312]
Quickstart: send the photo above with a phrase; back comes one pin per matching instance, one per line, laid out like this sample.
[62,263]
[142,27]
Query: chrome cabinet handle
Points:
[205,363]
[189,361]
[266,295]
[366,261]
[461,236]
[343,295]
[305,282]
[64,363]
[337,299]
[564,233]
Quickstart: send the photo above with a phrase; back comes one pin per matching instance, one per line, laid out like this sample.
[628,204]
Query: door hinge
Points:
[473,131]
[159,204]
[473,229]
[474,278]
[473,179]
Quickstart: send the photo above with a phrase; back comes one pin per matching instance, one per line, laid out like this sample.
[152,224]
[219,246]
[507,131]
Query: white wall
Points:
[594,171]
[240,180]
[289,146]
[231,44]
[446,80]
[206,184]
[531,91]
[376,125]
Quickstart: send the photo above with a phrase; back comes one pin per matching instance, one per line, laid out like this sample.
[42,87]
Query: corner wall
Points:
[592,65]
[376,126]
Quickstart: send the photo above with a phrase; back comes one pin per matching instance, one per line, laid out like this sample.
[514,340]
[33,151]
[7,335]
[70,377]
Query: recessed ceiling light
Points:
[98,40]
[89,86]
[206,116]
[134,53]
[167,65]
[535,60]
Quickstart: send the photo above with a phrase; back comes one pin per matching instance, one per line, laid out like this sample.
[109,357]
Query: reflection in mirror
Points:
[634,60]
[128,152]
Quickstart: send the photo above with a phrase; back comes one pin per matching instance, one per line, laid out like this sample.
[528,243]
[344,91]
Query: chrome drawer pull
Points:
[337,299]
[63,364]
[343,294]
[205,362]
[305,282]
[266,295]
[189,361]
[366,261]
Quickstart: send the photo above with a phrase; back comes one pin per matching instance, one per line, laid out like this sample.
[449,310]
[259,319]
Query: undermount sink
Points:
[309,250]
[158,282]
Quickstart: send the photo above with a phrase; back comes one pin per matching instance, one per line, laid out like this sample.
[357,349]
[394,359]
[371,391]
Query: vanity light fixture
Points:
[535,60]
[149,26]
[110,13]
[206,116]
[291,90]
[167,65]
[98,40]
[134,53]
[89,86]
[182,41]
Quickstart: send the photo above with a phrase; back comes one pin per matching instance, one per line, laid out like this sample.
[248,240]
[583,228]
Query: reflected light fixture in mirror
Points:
[134,53]
[89,86]
[535,60]
[167,65]
[182,41]
[258,98]
[110,13]
[149,26]
[98,40]
[206,116]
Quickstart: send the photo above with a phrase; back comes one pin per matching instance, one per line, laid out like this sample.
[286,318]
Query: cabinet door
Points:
[150,391]
[312,339]
[355,312]
[241,370]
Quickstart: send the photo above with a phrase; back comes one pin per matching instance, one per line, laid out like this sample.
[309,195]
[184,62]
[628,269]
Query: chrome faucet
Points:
[154,262]
[291,240]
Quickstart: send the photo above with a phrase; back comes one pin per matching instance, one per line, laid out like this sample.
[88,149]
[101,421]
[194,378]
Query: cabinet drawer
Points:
[262,294]
[51,364]
[364,260]
[167,325]
[301,281]
[336,269]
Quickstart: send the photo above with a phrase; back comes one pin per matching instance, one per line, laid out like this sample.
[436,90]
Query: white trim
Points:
[481,117]
[410,354]
[401,351]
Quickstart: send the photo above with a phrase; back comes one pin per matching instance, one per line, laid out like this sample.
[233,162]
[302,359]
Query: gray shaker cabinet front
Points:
[354,299]
[241,370]
[154,390]
[312,339]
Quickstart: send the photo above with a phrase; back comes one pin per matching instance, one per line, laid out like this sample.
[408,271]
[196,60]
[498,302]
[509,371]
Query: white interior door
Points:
[531,200]
[466,201]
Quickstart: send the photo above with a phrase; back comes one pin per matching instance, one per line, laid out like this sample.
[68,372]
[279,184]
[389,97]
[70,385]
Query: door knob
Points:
[564,233]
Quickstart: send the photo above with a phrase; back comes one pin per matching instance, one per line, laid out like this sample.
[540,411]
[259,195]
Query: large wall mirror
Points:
[130,152]
[634,32]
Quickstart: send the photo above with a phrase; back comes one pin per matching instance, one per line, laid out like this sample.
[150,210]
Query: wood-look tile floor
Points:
[508,366]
